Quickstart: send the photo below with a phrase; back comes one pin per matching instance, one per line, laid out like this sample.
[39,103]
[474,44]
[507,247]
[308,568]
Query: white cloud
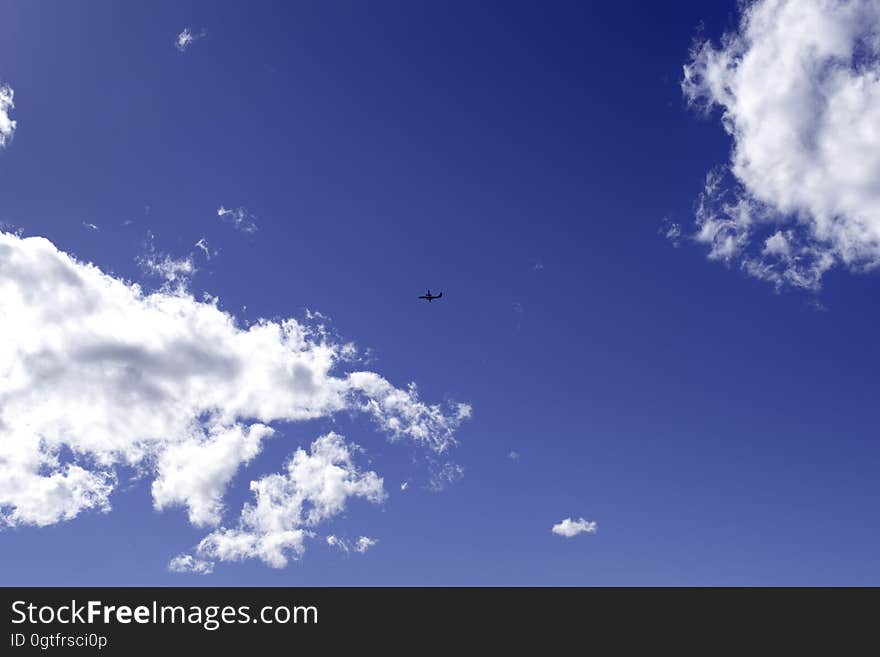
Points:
[400,413]
[196,471]
[240,218]
[314,486]
[185,563]
[361,545]
[186,38]
[404,485]
[671,231]
[7,125]
[364,543]
[96,374]
[569,528]
[202,244]
[335,541]
[90,226]
[798,85]
[513,455]
[174,271]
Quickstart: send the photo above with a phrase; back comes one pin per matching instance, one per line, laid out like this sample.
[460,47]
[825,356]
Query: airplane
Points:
[430,297]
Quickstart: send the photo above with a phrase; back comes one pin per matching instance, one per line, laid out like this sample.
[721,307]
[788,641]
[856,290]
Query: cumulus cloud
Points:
[798,87]
[400,413]
[195,472]
[186,38]
[314,486]
[240,218]
[7,125]
[570,528]
[97,375]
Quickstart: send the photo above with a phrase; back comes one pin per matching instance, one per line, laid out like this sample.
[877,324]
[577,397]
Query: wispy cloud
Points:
[187,37]
[202,245]
[335,541]
[7,124]
[173,271]
[671,231]
[364,543]
[239,217]
[798,91]
[445,473]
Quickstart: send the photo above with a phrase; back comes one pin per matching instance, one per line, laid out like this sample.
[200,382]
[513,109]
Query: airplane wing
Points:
[423,297]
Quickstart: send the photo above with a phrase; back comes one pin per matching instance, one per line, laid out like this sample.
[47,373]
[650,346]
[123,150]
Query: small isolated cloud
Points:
[202,245]
[174,271]
[671,231]
[186,38]
[798,90]
[513,455]
[444,474]
[7,125]
[361,545]
[99,377]
[570,528]
[195,473]
[239,217]
[185,563]
[364,543]
[404,485]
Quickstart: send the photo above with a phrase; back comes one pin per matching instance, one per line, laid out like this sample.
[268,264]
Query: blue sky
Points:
[522,159]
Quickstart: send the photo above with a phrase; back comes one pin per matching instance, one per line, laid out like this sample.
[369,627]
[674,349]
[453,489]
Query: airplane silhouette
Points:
[430,297]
